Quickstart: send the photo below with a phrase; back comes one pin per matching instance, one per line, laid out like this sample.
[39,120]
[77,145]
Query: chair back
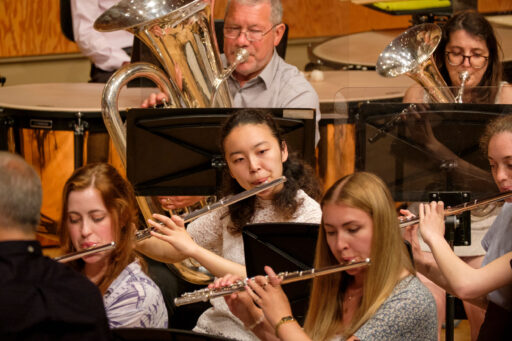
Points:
[66,21]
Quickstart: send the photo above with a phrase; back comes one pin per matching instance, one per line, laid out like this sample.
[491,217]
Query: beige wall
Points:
[55,69]
[75,67]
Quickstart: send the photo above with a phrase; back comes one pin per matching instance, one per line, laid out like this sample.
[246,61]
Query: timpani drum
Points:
[358,51]
[48,124]
[361,50]
[339,93]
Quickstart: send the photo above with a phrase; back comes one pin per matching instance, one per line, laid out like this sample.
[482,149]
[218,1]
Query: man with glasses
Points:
[264,80]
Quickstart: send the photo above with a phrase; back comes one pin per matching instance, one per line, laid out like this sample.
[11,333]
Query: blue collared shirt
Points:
[279,85]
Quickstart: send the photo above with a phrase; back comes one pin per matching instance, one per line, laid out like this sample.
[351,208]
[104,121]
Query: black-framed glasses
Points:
[233,32]
[476,60]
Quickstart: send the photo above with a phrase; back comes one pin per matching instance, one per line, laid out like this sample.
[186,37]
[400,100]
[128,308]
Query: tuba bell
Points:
[411,53]
[179,34]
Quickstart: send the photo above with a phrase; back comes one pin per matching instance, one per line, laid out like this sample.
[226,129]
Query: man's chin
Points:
[245,70]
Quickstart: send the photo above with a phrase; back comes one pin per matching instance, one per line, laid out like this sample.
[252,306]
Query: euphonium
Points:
[179,34]
[411,53]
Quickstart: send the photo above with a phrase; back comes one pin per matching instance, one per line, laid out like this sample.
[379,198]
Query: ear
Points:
[284,152]
[278,35]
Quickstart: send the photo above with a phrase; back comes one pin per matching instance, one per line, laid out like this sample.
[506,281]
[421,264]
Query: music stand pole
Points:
[450,225]
[78,130]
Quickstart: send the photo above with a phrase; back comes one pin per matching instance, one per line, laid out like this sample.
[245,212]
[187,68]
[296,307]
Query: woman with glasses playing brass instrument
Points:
[255,153]
[99,207]
[468,45]
[384,301]
[494,278]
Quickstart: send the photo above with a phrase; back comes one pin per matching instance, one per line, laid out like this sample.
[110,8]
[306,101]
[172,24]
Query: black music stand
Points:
[284,247]
[391,148]
[157,334]
[391,145]
[175,151]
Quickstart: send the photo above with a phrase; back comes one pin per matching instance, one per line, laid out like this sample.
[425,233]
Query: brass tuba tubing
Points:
[467,206]
[180,34]
[206,294]
[79,254]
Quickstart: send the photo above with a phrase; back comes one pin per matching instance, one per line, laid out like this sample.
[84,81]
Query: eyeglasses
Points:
[477,61]
[233,32]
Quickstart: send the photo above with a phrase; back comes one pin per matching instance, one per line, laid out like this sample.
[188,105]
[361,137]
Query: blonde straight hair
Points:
[389,257]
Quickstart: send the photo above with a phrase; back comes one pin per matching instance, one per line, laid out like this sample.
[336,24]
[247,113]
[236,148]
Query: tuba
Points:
[411,53]
[179,34]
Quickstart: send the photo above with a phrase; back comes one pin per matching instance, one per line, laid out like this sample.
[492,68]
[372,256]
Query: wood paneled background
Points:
[32,27]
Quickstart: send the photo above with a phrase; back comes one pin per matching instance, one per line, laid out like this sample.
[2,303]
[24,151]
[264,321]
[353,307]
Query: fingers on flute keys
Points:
[165,225]
[256,288]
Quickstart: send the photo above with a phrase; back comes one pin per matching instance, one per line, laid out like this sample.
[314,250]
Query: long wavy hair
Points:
[389,257]
[299,175]
[477,26]
[119,199]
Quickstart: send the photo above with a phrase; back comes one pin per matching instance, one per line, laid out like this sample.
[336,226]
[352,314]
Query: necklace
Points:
[354,293]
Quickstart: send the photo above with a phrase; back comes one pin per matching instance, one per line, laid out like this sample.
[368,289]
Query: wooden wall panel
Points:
[322,18]
[494,5]
[308,18]
[32,27]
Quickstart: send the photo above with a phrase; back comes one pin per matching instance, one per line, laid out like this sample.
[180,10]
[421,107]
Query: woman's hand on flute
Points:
[240,303]
[432,221]
[172,230]
[411,235]
[269,296]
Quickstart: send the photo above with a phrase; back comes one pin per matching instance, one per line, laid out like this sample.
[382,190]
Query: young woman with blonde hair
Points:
[383,301]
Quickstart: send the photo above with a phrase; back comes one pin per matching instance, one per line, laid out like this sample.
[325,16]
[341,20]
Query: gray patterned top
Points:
[409,313]
[134,300]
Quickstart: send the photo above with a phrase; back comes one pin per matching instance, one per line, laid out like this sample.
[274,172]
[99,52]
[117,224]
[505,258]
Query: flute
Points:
[79,254]
[146,233]
[203,295]
[467,206]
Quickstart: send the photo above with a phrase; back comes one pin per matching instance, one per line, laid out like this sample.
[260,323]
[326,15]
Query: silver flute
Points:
[203,295]
[467,206]
[146,233]
[79,254]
